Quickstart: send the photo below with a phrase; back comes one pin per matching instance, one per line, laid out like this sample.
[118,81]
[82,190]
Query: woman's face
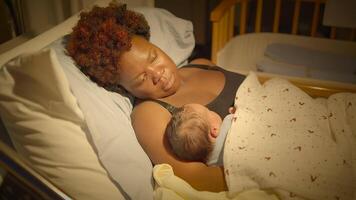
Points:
[147,72]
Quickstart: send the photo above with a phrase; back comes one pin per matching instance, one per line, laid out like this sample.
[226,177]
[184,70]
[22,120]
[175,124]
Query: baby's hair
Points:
[100,37]
[187,133]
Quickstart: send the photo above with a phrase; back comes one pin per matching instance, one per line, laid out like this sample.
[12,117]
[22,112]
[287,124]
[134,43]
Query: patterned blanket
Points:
[283,140]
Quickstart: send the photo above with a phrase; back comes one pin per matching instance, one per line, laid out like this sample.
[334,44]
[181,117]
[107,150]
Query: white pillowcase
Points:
[107,117]
[170,33]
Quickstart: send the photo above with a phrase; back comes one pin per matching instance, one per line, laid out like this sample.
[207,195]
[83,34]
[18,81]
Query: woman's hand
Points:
[232,110]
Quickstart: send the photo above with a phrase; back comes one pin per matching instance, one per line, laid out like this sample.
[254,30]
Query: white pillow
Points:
[170,33]
[46,126]
[107,117]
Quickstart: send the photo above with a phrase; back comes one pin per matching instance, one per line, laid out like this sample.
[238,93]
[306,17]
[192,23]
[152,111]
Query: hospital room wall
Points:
[26,19]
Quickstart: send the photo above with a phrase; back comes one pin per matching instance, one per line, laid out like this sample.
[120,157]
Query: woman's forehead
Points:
[138,51]
[133,61]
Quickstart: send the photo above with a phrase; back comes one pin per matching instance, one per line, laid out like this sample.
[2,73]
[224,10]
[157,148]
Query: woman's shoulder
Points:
[149,120]
[146,104]
[202,61]
[149,109]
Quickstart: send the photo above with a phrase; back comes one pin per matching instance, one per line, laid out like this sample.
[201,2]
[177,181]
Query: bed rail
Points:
[223,20]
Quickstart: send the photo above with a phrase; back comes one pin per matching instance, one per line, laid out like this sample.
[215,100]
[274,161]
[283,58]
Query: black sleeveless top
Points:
[226,97]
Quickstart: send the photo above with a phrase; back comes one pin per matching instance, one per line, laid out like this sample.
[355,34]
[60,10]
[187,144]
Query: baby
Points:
[196,133]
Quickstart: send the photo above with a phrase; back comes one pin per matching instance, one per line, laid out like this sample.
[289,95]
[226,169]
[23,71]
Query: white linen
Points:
[284,140]
[268,65]
[172,34]
[172,187]
[46,126]
[294,60]
[108,128]
[243,52]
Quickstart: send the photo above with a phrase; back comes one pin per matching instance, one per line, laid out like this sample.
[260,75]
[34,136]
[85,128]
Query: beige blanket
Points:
[287,142]
[169,186]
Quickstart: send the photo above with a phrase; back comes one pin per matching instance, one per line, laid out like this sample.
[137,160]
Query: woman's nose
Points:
[155,73]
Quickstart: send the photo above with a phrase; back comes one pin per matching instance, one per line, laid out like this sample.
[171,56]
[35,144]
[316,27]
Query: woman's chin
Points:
[166,94]
[174,88]
[160,93]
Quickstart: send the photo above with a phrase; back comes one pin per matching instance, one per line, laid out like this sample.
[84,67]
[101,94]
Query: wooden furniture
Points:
[223,24]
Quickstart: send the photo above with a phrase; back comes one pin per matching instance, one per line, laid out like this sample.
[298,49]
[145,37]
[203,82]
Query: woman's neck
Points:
[185,77]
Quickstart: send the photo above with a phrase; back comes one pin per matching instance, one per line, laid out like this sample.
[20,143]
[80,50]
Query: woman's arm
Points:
[149,121]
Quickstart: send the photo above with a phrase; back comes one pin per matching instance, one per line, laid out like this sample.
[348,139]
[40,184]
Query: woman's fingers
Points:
[232,110]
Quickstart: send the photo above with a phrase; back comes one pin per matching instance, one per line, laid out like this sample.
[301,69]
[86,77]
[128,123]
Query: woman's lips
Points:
[161,75]
[167,79]
[169,83]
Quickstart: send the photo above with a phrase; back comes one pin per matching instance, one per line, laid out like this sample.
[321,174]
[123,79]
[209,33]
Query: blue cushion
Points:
[311,58]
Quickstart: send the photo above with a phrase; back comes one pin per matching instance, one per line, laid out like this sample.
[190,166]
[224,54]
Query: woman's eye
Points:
[154,56]
[143,77]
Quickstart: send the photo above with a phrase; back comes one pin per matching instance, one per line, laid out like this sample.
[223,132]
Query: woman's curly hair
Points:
[100,37]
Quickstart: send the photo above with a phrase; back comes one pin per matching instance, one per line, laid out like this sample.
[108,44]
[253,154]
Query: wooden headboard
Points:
[223,20]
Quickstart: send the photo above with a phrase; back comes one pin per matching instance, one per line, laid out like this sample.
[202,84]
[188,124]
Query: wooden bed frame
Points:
[223,21]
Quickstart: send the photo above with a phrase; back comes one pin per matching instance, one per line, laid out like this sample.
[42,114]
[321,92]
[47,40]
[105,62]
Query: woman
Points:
[111,46]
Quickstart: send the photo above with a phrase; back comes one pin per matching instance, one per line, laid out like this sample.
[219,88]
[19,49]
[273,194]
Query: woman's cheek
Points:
[147,92]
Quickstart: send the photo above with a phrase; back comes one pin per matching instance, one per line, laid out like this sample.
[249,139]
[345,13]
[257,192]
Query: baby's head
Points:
[192,132]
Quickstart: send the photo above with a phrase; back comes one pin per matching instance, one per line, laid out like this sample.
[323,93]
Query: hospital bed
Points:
[78,136]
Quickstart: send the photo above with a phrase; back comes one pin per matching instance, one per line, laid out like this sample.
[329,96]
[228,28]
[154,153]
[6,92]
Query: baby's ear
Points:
[214,132]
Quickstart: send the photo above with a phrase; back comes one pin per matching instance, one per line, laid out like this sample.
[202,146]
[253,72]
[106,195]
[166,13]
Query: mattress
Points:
[243,52]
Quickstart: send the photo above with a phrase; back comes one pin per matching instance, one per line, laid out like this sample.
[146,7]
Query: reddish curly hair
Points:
[100,37]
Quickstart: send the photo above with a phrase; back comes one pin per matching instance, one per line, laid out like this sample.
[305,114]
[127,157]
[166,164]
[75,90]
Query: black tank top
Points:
[226,97]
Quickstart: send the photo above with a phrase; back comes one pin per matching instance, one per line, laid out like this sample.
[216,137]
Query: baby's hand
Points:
[232,110]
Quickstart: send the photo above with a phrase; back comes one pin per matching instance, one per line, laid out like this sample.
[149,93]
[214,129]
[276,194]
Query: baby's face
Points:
[212,117]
